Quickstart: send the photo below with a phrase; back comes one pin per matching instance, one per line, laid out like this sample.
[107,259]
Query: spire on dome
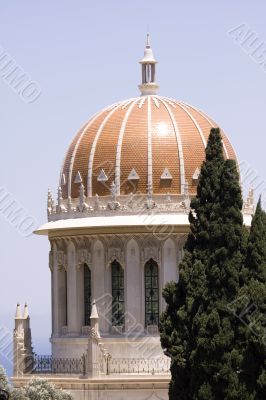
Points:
[148,67]
[50,203]
[60,207]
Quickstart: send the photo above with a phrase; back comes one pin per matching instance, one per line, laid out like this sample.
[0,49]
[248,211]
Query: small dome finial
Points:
[148,41]
[94,311]
[18,311]
[26,311]
[148,67]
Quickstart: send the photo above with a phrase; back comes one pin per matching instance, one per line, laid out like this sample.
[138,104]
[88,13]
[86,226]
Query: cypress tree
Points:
[202,329]
[255,263]
[183,299]
[216,357]
[251,309]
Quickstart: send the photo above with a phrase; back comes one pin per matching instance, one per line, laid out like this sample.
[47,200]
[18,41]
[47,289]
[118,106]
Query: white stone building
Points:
[116,232]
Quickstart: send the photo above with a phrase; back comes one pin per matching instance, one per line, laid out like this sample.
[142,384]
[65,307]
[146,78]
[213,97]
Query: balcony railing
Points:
[139,366]
[67,366]
[46,365]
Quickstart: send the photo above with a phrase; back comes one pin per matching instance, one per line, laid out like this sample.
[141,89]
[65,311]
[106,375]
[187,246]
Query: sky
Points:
[79,56]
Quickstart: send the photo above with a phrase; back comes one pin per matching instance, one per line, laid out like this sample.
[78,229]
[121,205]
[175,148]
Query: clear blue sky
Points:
[84,56]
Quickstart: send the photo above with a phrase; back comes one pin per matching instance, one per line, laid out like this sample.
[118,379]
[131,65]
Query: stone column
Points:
[169,264]
[58,266]
[72,288]
[80,296]
[133,295]
[100,286]
[55,293]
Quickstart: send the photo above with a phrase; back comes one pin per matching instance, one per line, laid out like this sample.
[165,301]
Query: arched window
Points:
[87,295]
[117,294]
[151,293]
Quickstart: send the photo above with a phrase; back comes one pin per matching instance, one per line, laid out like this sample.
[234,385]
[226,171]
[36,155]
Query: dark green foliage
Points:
[255,265]
[200,329]
[185,298]
[215,359]
[251,309]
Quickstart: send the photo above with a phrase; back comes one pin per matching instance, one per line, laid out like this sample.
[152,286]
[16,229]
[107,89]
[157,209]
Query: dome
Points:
[135,164]
[149,145]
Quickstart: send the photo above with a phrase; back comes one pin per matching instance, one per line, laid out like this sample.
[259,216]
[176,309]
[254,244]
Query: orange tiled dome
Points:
[148,144]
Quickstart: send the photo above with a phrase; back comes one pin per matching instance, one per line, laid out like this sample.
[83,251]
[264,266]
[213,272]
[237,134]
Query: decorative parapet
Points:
[132,204]
[117,205]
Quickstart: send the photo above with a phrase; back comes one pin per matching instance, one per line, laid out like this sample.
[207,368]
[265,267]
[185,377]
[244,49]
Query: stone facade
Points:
[67,258]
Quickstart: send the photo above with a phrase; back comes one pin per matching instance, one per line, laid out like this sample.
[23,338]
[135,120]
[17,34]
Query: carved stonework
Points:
[60,207]
[94,334]
[50,204]
[150,252]
[51,260]
[150,204]
[113,204]
[83,257]
[61,259]
[115,254]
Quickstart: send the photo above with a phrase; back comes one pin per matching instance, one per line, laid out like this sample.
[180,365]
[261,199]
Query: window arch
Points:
[151,293]
[87,294]
[117,294]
